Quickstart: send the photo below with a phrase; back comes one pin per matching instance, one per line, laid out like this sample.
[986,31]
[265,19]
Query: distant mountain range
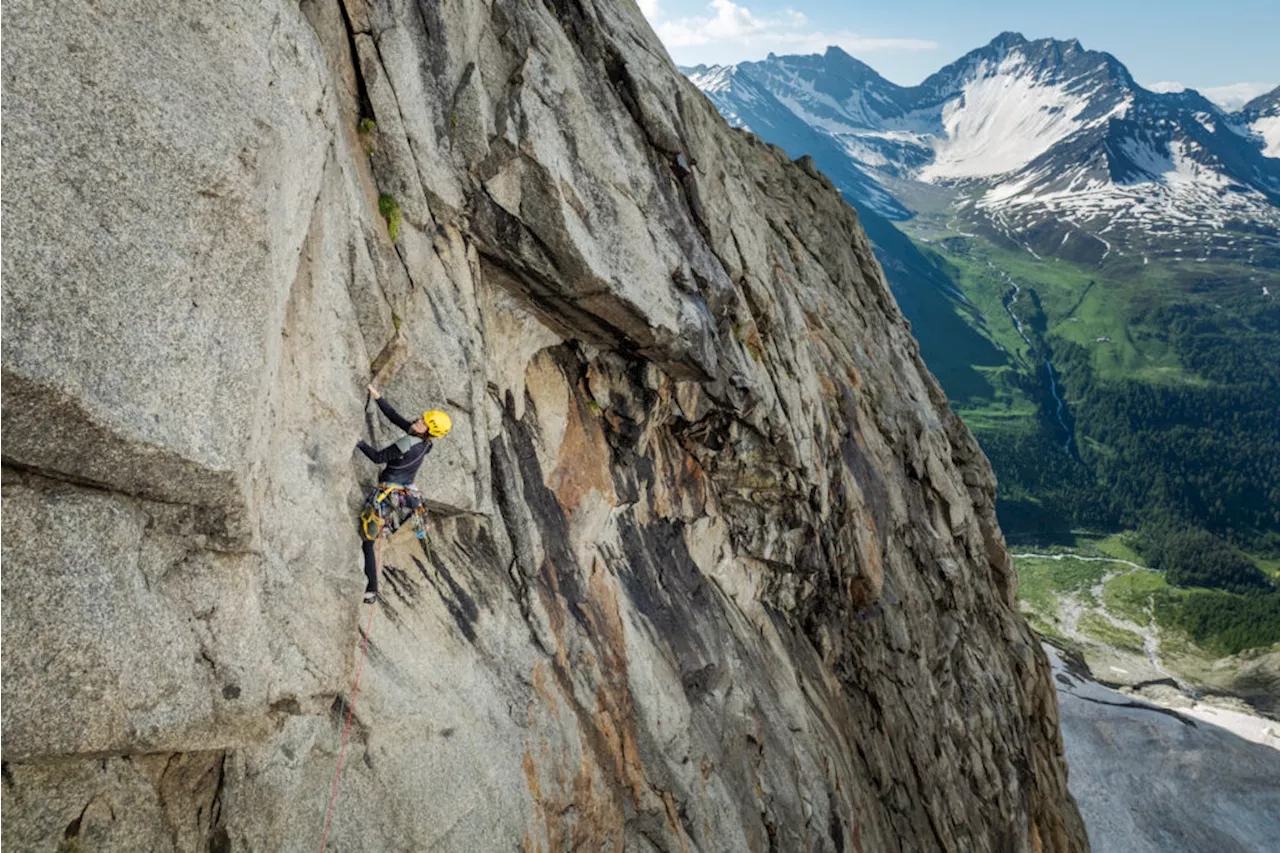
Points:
[1055,147]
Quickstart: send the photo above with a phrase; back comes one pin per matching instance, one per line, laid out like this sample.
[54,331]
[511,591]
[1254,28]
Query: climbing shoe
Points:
[370,597]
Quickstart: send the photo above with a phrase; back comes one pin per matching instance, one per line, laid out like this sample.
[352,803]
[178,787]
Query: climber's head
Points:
[433,423]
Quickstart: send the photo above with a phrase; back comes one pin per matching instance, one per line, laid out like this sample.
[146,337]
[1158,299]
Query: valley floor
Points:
[1102,606]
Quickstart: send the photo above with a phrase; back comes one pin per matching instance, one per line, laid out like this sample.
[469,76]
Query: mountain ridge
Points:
[1030,133]
[1267,103]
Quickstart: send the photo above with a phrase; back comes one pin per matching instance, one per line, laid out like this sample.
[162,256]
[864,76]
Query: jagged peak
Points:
[1048,56]
[1187,99]
[1008,38]
[711,78]
[838,57]
[835,70]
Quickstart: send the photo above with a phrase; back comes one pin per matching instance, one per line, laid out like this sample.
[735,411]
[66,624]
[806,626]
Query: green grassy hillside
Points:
[1167,376]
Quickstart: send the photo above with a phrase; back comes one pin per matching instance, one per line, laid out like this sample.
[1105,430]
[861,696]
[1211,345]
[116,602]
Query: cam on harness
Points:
[389,506]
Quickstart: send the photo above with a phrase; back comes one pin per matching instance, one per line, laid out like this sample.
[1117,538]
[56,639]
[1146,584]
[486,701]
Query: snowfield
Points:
[1033,132]
[1003,119]
[1175,186]
[1269,129]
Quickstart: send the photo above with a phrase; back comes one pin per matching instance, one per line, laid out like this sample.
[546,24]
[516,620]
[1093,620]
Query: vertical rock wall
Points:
[713,566]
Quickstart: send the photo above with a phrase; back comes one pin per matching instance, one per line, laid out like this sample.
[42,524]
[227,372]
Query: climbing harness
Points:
[351,706]
[389,506]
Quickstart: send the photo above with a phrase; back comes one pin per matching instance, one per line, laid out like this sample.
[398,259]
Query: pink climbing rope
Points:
[351,707]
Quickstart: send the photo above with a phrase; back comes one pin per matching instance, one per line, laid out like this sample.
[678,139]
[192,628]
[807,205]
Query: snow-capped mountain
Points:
[775,121]
[1041,141]
[1260,118]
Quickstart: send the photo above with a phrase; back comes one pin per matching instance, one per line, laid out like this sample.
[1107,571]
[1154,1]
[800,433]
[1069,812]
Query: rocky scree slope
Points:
[713,566]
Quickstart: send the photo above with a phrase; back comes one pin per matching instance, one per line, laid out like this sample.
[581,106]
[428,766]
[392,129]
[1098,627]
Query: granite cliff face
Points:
[713,565]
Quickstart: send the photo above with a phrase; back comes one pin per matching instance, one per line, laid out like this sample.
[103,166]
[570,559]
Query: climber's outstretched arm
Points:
[390,413]
[394,416]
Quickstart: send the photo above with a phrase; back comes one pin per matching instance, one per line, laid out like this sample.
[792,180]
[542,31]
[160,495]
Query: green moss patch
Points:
[390,210]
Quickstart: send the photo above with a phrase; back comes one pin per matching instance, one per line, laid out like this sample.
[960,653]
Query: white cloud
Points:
[737,27]
[649,8]
[1229,98]
[730,23]
[1235,96]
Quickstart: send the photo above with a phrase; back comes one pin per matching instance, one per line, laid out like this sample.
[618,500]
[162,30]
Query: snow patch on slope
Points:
[1001,122]
[1179,199]
[818,109]
[798,108]
[712,80]
[1269,129]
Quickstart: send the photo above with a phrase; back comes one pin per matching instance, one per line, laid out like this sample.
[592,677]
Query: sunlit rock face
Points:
[712,565]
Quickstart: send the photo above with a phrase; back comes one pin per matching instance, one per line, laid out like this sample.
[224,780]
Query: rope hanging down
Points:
[351,707]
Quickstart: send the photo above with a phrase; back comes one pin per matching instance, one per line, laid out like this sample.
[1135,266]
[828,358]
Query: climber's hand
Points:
[373,392]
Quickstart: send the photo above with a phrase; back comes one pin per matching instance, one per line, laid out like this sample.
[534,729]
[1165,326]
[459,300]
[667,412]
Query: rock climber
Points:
[396,498]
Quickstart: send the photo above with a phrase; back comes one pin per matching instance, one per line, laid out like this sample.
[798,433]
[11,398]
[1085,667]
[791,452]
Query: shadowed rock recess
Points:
[713,566]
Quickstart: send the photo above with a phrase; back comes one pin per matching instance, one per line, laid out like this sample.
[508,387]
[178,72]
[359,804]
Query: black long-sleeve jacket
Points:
[403,458]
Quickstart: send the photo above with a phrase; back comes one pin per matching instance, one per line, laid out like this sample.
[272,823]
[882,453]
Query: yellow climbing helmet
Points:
[438,423]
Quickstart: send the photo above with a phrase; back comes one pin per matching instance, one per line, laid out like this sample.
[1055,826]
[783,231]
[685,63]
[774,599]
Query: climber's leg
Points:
[370,567]
[372,520]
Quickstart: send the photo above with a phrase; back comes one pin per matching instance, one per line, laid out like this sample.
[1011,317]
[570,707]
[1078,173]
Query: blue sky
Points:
[1196,43]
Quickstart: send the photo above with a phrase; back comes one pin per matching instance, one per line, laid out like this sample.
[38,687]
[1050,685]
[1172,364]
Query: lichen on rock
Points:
[712,567]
